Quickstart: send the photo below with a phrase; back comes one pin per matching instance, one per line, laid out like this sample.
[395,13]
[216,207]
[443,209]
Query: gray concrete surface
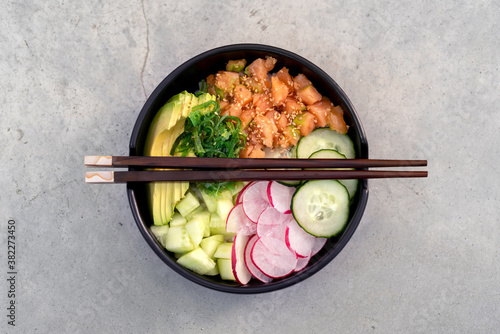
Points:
[424,78]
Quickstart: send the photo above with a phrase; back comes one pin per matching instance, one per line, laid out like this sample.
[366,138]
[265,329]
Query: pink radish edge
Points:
[298,240]
[280,196]
[249,263]
[239,267]
[240,194]
[255,200]
[238,222]
[264,258]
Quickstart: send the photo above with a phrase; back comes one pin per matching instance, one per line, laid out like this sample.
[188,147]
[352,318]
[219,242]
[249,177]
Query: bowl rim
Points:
[288,281]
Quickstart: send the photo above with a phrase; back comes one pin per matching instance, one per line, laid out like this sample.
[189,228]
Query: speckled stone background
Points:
[424,78]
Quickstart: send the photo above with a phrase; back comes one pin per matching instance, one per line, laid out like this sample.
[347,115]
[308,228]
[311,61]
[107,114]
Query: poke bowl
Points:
[194,76]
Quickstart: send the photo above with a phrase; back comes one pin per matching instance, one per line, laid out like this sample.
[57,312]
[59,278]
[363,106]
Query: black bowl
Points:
[187,77]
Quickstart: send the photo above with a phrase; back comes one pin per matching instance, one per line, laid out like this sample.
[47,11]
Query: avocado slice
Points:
[166,126]
[161,122]
[155,189]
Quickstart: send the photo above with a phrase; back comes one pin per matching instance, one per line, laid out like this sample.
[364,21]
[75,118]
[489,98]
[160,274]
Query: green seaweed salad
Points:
[207,133]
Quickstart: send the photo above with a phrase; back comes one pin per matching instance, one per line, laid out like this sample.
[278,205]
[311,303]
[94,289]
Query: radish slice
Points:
[250,265]
[301,263]
[280,196]
[272,223]
[240,194]
[238,222]
[240,270]
[273,257]
[254,200]
[318,244]
[298,240]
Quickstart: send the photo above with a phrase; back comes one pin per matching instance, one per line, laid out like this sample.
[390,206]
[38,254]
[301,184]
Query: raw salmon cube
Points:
[305,123]
[226,81]
[234,110]
[262,103]
[309,95]
[257,153]
[336,120]
[253,85]
[279,90]
[242,95]
[293,107]
[289,137]
[260,67]
[300,82]
[321,109]
[286,78]
[282,122]
[246,117]
[265,130]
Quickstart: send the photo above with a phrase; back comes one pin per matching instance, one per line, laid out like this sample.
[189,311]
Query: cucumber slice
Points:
[205,217]
[177,240]
[224,250]
[217,225]
[324,138]
[321,207]
[198,261]
[178,220]
[210,201]
[224,206]
[351,185]
[196,230]
[226,269]
[213,272]
[160,232]
[210,244]
[188,204]
[196,211]
[291,183]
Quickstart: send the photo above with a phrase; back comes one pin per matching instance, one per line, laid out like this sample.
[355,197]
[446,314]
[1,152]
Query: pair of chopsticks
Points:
[224,169]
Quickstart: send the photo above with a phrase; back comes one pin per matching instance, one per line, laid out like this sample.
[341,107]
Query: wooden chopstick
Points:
[226,163]
[242,175]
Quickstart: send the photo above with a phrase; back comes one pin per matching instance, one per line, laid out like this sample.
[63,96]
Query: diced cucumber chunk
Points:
[207,230]
[194,212]
[226,269]
[178,220]
[203,215]
[188,204]
[196,230]
[177,240]
[210,244]
[224,206]
[198,261]
[209,201]
[160,232]
[236,65]
[226,194]
[213,272]
[217,225]
[224,250]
